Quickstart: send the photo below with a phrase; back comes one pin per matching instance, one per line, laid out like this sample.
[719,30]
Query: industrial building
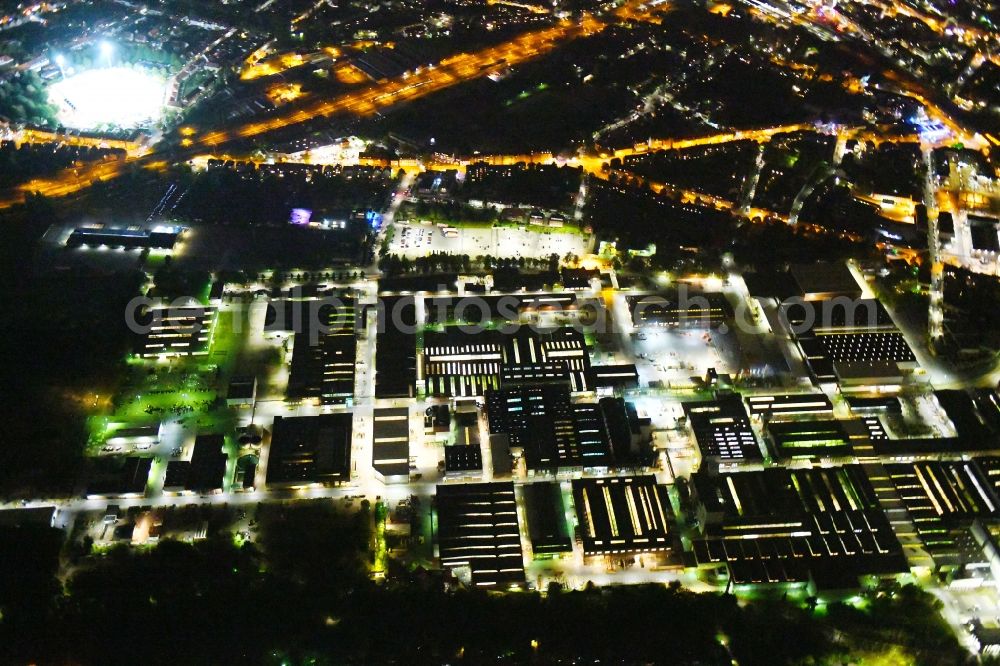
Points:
[478,528]
[622,514]
[546,515]
[391,444]
[396,348]
[853,343]
[463,461]
[795,404]
[324,346]
[461,363]
[687,309]
[722,429]
[942,499]
[127,239]
[822,526]
[819,439]
[548,429]
[310,449]
[175,330]
[824,280]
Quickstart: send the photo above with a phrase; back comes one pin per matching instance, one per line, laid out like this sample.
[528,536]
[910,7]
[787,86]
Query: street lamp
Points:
[61,61]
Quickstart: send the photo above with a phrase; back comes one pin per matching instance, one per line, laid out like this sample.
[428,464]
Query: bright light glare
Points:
[107,48]
[109,96]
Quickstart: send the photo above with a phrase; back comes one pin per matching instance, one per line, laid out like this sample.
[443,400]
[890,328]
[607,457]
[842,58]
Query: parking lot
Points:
[673,356]
[417,240]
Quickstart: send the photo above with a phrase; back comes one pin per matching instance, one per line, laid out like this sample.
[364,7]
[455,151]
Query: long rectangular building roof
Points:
[123,238]
[325,344]
[780,525]
[182,330]
[391,442]
[689,310]
[622,514]
[546,515]
[478,528]
[396,348]
[794,404]
[466,363]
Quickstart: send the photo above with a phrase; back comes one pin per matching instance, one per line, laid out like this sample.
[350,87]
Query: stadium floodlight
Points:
[107,50]
[117,96]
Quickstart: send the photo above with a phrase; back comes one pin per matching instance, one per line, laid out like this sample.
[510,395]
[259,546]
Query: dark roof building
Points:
[127,239]
[396,348]
[119,476]
[622,514]
[481,308]
[823,525]
[391,444]
[500,457]
[553,432]
[942,499]
[832,316]
[821,439]
[824,280]
[624,376]
[34,516]
[546,515]
[795,404]
[437,419]
[179,330]
[246,472]
[722,429]
[465,363]
[208,464]
[478,528]
[242,391]
[990,465]
[975,415]
[462,460]
[889,404]
[176,476]
[625,427]
[310,449]
[324,347]
[576,278]
[682,309]
[851,342]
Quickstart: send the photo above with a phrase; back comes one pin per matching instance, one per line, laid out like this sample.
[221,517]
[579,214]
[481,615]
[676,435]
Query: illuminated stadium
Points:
[110,96]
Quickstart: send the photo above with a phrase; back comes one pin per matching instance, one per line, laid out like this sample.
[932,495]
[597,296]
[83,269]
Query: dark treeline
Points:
[695,238]
[18,165]
[66,341]
[303,596]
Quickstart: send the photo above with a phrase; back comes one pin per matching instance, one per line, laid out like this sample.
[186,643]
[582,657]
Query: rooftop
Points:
[546,515]
[622,514]
[553,431]
[825,280]
[722,428]
[310,449]
[391,442]
[478,528]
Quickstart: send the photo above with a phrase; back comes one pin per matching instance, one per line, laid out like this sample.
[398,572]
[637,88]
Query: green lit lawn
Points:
[187,388]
